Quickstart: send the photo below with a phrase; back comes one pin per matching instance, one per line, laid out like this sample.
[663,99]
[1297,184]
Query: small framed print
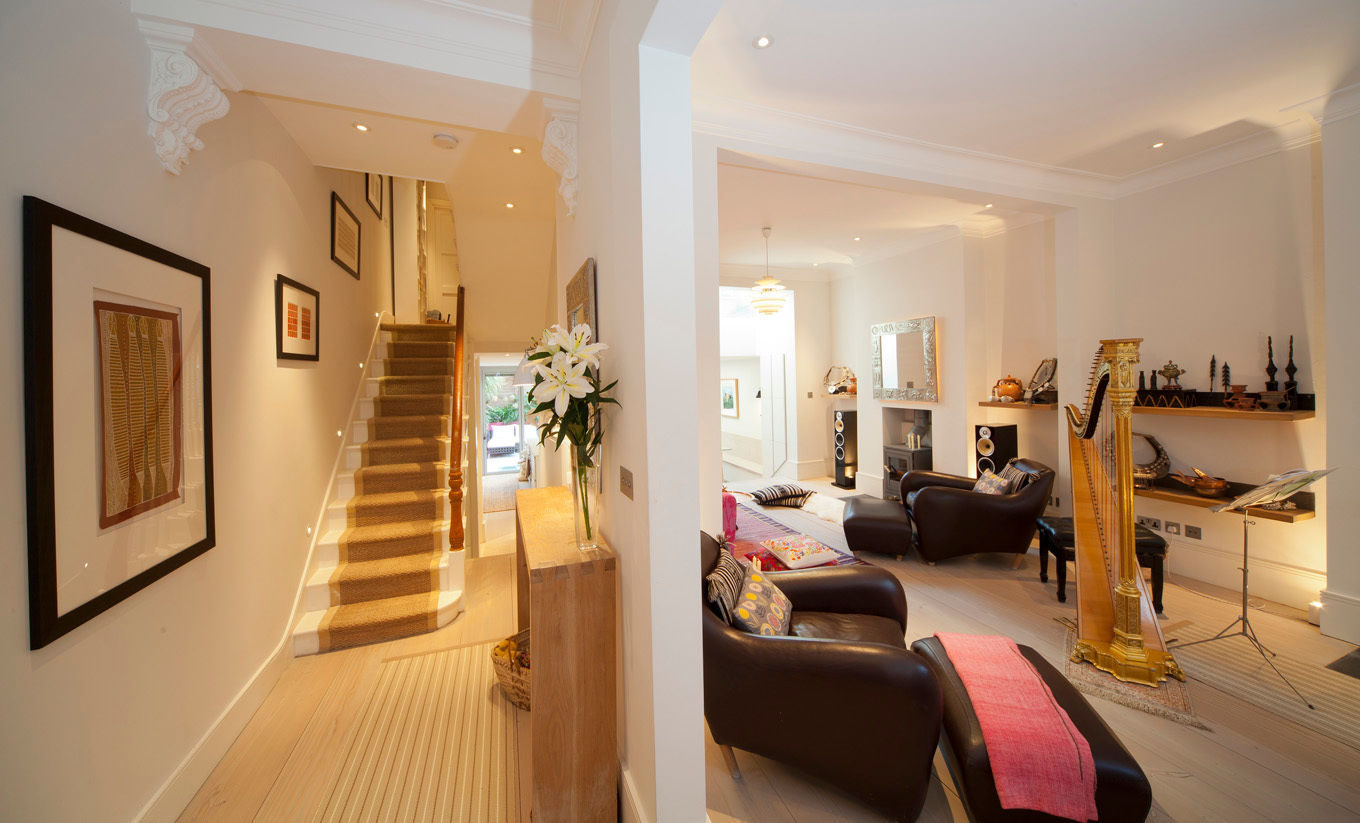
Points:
[373,193]
[118,416]
[731,406]
[581,303]
[345,236]
[297,320]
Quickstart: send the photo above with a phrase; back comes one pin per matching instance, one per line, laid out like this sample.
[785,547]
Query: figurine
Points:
[1213,371]
[1154,381]
[1271,385]
[1142,381]
[1171,371]
[1239,399]
[1227,381]
[1291,385]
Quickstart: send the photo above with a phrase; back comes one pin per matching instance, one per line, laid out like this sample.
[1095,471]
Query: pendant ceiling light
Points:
[767,296]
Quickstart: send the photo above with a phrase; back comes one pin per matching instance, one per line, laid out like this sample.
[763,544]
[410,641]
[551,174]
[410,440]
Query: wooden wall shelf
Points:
[1030,406]
[1225,413]
[1189,498]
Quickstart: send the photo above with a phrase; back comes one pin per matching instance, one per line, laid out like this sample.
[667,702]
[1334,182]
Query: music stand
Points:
[1276,489]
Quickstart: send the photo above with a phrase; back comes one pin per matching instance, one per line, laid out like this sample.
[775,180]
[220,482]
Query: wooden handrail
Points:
[456,434]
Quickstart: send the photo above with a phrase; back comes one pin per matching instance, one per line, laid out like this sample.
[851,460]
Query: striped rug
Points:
[435,741]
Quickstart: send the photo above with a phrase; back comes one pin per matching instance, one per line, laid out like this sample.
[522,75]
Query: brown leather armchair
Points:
[952,520]
[841,698]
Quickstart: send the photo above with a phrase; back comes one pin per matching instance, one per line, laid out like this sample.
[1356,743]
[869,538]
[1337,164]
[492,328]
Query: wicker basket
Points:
[514,678]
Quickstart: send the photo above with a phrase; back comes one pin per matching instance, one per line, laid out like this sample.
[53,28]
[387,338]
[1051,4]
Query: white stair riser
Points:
[317,595]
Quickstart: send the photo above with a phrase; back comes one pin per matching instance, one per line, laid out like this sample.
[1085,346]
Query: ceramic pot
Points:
[1008,387]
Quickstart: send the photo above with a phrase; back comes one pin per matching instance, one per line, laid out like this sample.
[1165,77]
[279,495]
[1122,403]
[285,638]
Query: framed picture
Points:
[297,320]
[345,236]
[581,306]
[119,330]
[373,192]
[727,389]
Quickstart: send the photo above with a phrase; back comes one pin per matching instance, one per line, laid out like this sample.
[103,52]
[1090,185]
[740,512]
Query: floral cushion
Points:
[799,551]
[992,483]
[761,607]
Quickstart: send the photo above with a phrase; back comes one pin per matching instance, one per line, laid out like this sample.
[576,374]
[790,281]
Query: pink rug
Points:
[753,527]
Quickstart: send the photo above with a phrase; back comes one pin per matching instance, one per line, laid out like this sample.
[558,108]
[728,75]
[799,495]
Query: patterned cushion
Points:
[724,584]
[799,551]
[761,607]
[782,495]
[1016,478]
[991,483]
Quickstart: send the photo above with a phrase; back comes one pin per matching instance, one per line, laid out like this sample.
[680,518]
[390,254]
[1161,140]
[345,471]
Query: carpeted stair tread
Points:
[355,624]
[397,405]
[398,477]
[389,427]
[358,544]
[394,507]
[403,450]
[419,348]
[418,366]
[419,331]
[408,384]
[356,582]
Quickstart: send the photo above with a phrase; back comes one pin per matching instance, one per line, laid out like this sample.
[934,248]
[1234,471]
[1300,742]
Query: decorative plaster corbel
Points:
[182,94]
[559,148]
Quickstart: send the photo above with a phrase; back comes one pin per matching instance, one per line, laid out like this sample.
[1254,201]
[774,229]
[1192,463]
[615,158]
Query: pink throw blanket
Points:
[1039,759]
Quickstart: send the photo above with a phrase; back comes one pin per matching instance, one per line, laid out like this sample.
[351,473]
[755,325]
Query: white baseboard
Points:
[632,809]
[809,469]
[179,789]
[1341,616]
[1291,585]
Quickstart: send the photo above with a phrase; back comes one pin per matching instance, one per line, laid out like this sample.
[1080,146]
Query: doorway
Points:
[505,442]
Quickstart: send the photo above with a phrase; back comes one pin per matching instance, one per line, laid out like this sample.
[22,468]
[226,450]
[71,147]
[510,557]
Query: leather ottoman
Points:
[874,525]
[1122,790]
[1057,535]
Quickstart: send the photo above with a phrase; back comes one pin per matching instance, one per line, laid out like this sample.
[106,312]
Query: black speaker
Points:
[994,447]
[847,448]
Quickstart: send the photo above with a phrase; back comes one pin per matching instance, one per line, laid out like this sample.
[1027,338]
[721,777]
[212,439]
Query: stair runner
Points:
[383,568]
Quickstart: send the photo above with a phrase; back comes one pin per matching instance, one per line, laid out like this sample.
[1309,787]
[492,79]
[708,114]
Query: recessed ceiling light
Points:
[815,265]
[856,239]
[516,150]
[988,206]
[1158,144]
[360,127]
[762,42]
[509,205]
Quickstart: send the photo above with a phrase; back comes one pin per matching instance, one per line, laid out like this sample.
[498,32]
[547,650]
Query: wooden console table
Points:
[569,599]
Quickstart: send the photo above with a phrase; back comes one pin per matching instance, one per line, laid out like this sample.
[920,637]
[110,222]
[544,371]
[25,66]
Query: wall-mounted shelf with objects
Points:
[1225,413]
[1017,405]
[1304,500]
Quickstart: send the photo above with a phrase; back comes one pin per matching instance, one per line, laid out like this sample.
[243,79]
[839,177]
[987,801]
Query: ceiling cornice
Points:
[520,19]
[1332,106]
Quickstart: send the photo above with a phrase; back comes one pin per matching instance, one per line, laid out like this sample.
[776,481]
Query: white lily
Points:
[562,380]
[576,343]
[551,341]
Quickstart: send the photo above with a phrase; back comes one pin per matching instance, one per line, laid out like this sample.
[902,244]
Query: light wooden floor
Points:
[282,765]
[1251,765]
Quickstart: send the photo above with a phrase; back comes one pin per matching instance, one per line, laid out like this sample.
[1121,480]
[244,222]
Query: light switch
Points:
[626,482]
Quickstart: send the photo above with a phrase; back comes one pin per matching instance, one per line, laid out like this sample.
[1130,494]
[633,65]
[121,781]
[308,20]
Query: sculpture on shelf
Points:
[1291,385]
[840,380]
[1142,381]
[1227,380]
[1239,399]
[1213,371]
[1147,474]
[1271,384]
[1171,371]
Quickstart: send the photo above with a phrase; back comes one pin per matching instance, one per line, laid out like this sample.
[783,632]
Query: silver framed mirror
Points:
[904,360]
[1043,375]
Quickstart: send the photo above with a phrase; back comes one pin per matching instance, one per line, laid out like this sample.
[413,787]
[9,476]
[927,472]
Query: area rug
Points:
[498,492]
[753,527]
[1348,665]
[1170,700]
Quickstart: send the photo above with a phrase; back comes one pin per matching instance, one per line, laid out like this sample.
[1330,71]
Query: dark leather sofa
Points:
[952,520]
[841,698]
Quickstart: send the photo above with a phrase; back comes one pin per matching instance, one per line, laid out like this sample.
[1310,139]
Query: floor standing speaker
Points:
[994,447]
[847,448]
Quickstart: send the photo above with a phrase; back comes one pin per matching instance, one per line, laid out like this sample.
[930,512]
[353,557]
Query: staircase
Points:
[382,568]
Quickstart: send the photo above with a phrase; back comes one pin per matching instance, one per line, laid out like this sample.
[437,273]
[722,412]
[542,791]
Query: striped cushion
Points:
[1016,479]
[724,584]
[782,495]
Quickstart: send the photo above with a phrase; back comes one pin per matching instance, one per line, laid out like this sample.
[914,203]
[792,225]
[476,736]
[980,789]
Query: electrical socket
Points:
[1193,532]
[1150,522]
[1056,501]
[1173,528]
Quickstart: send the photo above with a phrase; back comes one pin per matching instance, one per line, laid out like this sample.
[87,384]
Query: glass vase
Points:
[585,496]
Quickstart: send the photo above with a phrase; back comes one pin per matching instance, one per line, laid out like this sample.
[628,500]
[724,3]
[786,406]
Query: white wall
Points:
[919,283]
[1211,266]
[97,721]
[504,290]
[742,435]
[1341,201]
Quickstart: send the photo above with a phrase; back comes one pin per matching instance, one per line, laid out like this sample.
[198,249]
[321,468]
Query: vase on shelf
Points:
[585,497]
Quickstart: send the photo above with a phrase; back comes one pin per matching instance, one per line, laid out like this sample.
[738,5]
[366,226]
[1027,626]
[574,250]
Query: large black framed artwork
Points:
[120,472]
[297,320]
[345,236]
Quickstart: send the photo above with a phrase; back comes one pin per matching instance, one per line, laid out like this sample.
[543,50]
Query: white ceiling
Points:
[1083,86]
[816,213]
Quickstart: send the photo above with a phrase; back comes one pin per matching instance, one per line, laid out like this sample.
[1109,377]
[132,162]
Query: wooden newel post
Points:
[456,434]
